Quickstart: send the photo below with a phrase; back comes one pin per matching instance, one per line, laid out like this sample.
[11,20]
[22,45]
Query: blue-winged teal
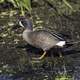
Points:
[40,38]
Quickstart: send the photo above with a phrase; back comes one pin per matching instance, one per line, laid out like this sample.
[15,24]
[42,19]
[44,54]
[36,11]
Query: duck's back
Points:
[42,39]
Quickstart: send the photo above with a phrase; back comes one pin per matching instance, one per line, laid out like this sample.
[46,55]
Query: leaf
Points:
[22,5]
[67,4]
[27,5]
[1,1]
[13,2]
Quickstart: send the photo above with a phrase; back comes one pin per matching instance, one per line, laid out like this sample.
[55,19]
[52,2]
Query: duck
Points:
[42,39]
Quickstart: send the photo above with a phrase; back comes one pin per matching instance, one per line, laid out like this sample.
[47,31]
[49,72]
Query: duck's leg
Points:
[41,57]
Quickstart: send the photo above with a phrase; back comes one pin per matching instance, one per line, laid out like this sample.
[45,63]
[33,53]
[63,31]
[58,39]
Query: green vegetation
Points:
[63,77]
[20,4]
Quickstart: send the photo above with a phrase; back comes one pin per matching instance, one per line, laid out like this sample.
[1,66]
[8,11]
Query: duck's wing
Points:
[43,39]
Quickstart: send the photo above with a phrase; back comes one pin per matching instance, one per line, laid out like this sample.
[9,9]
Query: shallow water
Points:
[15,56]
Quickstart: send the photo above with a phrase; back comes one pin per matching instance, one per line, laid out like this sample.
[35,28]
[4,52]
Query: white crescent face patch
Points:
[20,24]
[61,43]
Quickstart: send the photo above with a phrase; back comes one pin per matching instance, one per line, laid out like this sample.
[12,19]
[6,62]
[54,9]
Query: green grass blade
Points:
[67,4]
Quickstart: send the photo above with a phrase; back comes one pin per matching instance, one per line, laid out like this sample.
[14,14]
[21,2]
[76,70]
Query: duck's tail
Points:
[72,42]
[71,47]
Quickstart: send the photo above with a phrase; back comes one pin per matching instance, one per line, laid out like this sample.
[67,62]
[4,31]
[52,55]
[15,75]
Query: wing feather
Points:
[42,39]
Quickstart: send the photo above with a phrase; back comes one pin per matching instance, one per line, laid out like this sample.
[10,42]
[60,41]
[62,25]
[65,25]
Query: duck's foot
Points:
[41,57]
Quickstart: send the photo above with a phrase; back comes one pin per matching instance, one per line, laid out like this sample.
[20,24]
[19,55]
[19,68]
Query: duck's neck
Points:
[26,34]
[27,30]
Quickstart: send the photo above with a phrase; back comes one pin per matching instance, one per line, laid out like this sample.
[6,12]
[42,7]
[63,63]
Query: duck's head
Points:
[26,23]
